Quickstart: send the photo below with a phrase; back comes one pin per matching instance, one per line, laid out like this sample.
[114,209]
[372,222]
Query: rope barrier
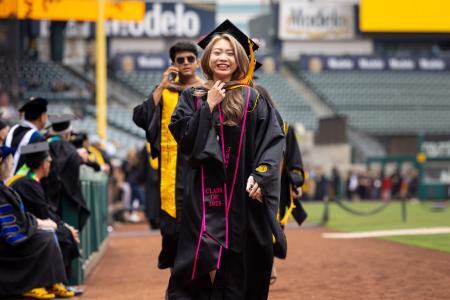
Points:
[363,213]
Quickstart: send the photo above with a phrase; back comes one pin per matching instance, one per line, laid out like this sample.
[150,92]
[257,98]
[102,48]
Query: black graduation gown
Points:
[29,257]
[292,176]
[250,246]
[35,202]
[143,114]
[148,117]
[63,182]
[152,191]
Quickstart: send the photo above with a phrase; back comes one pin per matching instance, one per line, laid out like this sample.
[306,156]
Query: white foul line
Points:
[382,233]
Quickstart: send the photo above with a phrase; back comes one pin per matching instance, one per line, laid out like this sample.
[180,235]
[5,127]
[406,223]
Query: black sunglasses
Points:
[180,60]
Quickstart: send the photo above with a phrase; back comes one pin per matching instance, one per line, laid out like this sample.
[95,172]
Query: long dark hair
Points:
[233,104]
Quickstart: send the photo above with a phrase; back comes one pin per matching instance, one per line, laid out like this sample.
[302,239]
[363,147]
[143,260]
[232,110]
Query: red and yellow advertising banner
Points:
[80,10]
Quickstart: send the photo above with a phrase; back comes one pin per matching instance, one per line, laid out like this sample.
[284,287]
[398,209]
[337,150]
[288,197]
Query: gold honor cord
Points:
[232,87]
[251,68]
[292,205]
[290,209]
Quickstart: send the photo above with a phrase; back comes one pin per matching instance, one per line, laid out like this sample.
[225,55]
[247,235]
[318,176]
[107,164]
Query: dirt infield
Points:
[316,268]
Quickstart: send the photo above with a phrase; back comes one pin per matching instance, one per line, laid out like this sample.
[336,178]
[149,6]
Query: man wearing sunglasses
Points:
[154,115]
[182,73]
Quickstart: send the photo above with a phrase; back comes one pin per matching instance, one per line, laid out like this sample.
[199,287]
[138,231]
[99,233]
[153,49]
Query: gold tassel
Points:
[247,80]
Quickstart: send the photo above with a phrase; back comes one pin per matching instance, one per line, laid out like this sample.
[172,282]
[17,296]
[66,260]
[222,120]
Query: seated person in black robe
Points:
[32,194]
[31,264]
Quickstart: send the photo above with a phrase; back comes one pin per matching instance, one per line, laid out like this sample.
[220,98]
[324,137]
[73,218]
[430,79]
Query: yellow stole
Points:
[13,179]
[168,162]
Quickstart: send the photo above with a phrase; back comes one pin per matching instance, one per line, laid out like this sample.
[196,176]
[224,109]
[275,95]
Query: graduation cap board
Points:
[60,122]
[230,28]
[35,104]
[35,153]
[247,43]
[34,148]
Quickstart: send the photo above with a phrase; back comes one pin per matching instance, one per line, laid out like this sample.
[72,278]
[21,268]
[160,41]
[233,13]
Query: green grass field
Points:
[418,215]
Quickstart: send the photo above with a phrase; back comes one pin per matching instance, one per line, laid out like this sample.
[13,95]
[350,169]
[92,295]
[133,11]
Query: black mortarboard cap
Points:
[60,122]
[34,108]
[258,65]
[39,104]
[242,38]
[35,153]
[230,28]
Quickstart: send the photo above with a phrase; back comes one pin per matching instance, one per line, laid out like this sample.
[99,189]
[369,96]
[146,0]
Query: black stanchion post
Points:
[403,210]
[326,211]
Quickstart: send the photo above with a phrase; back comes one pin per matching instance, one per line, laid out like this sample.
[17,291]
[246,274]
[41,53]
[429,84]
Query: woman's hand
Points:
[253,189]
[216,94]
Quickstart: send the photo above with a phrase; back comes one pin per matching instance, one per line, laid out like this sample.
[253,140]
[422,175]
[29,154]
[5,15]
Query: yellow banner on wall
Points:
[414,16]
[80,10]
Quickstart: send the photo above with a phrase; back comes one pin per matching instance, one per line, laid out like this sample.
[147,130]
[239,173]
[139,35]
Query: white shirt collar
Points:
[26,123]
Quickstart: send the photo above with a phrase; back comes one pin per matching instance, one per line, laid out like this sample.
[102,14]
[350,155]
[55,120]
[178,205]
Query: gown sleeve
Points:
[147,116]
[71,185]
[269,147]
[16,225]
[192,127]
[33,198]
[293,159]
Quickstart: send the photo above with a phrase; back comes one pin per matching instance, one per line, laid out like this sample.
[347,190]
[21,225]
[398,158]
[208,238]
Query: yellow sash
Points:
[13,179]
[168,154]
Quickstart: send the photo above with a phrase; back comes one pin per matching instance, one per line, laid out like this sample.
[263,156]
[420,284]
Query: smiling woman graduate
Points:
[234,144]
